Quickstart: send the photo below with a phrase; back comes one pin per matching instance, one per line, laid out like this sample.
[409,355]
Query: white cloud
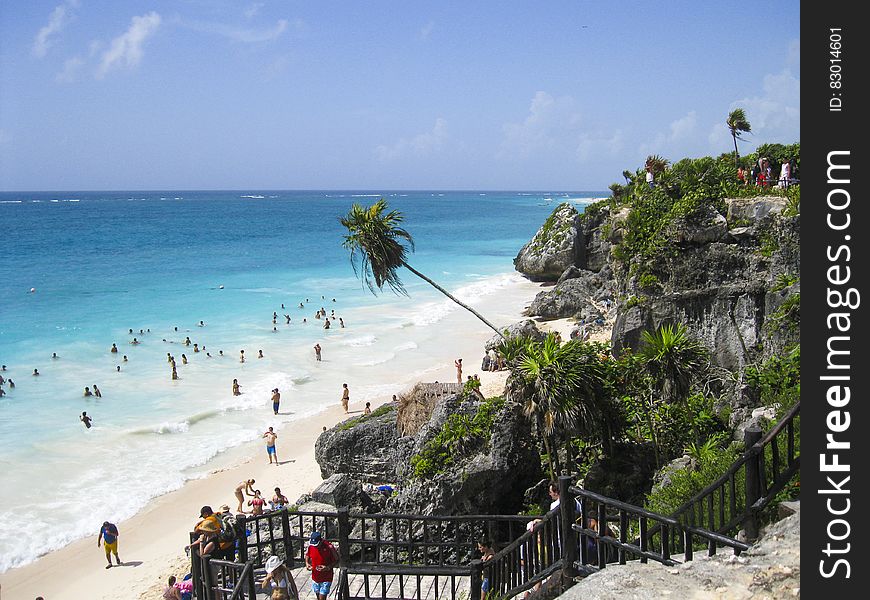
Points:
[774,115]
[595,144]
[253,10]
[553,124]
[423,144]
[57,20]
[126,49]
[670,144]
[426,31]
[71,68]
[246,35]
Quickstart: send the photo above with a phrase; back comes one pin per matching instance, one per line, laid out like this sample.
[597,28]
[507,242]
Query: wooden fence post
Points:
[243,538]
[566,531]
[476,579]
[753,482]
[343,550]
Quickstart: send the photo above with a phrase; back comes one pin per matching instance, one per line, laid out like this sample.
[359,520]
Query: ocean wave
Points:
[376,361]
[252,196]
[182,426]
[406,346]
[360,342]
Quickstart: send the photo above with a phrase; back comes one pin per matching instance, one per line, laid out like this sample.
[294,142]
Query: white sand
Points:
[152,542]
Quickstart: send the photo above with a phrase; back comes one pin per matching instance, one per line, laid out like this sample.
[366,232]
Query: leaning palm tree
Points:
[737,123]
[378,246]
[560,388]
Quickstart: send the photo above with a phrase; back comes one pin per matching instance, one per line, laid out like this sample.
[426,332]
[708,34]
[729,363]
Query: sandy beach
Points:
[151,544]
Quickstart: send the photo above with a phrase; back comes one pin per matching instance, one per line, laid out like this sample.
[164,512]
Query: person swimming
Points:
[35,372]
[54,355]
[87,392]
[114,348]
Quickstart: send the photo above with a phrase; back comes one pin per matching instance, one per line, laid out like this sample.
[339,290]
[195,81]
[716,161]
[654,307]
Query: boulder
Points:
[338,490]
[554,247]
[706,228]
[364,447]
[525,328]
[567,299]
[744,210]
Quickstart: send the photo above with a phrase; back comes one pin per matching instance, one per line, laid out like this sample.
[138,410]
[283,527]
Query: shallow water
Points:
[104,263]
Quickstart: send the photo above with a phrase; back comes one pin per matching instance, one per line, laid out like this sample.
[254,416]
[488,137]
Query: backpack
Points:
[229,528]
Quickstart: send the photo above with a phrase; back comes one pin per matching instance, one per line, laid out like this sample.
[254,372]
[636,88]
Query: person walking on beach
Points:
[85,419]
[458,364]
[271,436]
[109,536]
[245,487]
[320,557]
[276,400]
[345,397]
[317,352]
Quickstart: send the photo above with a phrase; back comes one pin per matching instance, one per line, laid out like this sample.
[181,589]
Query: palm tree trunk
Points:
[736,154]
[549,457]
[446,293]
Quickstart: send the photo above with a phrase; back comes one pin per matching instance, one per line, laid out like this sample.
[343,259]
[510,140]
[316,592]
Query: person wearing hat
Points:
[226,548]
[208,528]
[320,557]
[280,577]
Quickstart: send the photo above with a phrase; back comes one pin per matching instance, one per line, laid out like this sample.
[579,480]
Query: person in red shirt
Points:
[319,559]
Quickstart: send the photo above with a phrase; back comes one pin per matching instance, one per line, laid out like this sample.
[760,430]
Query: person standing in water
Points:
[317,351]
[97,392]
[276,401]
[85,419]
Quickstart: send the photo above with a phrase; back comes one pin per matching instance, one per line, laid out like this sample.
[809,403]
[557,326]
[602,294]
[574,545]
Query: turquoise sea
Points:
[80,270]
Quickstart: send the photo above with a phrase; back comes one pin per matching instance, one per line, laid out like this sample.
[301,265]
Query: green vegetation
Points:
[688,190]
[459,435]
[737,124]
[379,411]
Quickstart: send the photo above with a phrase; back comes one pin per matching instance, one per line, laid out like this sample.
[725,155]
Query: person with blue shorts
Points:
[320,557]
[270,445]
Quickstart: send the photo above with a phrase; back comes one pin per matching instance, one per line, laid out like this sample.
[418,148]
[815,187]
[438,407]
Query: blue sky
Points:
[199,94]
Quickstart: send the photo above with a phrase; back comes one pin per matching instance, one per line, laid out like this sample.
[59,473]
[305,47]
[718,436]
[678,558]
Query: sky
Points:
[382,95]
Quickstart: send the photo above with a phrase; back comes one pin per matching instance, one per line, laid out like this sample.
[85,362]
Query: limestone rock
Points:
[363,446]
[554,247]
[525,328]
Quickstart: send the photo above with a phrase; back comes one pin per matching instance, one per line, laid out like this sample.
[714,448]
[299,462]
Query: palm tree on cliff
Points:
[737,123]
[561,388]
[377,245]
[673,359]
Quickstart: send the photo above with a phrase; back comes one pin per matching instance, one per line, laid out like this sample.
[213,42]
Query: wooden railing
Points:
[750,483]
[215,579]
[611,531]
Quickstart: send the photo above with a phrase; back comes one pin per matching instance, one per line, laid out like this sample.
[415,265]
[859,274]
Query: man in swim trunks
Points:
[317,351]
[345,397]
[270,445]
[86,420]
[109,536]
[276,400]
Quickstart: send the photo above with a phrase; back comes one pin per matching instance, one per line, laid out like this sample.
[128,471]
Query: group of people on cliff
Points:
[762,174]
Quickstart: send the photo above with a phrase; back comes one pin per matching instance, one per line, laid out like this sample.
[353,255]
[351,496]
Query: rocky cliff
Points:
[727,276]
